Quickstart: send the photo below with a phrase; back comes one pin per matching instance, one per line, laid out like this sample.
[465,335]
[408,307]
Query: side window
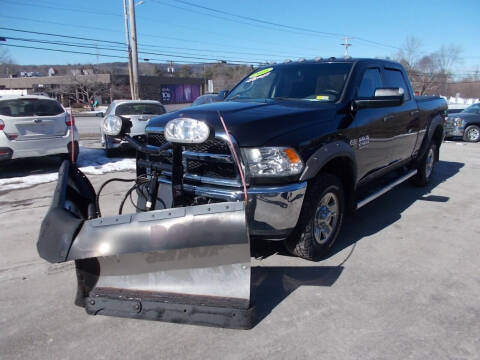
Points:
[371,80]
[394,78]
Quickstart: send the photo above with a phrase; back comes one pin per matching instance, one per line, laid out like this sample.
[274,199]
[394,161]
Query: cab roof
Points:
[14,97]
[331,60]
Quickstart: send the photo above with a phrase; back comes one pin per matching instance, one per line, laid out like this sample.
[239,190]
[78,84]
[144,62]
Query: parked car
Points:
[32,125]
[207,99]
[465,124]
[312,135]
[137,111]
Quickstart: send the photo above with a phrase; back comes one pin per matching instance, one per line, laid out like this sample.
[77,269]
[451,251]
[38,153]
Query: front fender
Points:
[326,153]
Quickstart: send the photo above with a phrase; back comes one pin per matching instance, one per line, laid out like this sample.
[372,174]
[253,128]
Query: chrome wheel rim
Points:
[473,134]
[326,218]
[429,164]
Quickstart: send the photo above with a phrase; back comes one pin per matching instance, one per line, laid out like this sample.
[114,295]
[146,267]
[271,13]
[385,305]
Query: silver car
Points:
[137,111]
[32,126]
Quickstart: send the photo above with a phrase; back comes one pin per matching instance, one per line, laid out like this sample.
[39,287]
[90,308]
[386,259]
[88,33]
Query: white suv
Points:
[33,126]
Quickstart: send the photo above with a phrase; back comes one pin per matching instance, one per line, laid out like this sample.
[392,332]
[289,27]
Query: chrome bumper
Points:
[272,211]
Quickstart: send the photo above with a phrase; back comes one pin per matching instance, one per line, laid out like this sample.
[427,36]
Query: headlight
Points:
[457,122]
[112,125]
[272,161]
[185,130]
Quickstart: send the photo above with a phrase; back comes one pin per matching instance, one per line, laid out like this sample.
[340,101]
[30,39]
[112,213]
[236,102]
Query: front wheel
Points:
[472,133]
[320,219]
[109,150]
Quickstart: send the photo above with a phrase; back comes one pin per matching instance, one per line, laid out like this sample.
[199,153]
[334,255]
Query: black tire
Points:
[110,153]
[306,239]
[472,133]
[423,176]
[76,149]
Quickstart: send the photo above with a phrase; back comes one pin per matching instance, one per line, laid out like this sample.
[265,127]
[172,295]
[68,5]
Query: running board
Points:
[385,189]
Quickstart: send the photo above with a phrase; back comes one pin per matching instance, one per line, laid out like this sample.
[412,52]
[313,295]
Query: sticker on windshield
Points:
[260,74]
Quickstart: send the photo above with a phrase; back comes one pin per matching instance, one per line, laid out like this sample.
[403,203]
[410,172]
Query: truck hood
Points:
[254,123]
[466,116]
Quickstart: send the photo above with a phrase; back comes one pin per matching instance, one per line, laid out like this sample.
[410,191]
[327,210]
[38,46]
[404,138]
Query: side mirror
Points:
[116,126]
[223,93]
[383,97]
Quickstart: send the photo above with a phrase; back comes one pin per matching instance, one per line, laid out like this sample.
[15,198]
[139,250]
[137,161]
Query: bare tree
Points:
[184,72]
[410,52]
[428,73]
[448,56]
[427,76]
[84,89]
[5,56]
[5,62]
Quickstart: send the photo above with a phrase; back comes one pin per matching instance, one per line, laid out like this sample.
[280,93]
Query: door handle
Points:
[389,117]
[414,112]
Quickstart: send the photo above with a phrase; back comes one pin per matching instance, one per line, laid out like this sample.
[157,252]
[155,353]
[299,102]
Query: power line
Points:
[122,50]
[324,33]
[63,51]
[112,14]
[259,20]
[123,44]
[141,44]
[99,54]
[58,8]
[59,35]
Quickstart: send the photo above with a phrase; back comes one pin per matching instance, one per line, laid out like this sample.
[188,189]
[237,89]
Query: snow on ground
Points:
[94,162]
[26,181]
[90,162]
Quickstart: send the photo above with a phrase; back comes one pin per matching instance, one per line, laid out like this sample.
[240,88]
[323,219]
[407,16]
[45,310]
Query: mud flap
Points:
[185,265]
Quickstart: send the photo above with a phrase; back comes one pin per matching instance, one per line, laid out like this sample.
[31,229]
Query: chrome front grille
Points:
[207,162]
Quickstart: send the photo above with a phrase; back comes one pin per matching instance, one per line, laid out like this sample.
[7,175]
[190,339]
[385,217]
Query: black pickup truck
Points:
[312,135]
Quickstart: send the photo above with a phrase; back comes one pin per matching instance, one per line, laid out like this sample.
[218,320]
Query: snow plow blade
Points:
[185,265]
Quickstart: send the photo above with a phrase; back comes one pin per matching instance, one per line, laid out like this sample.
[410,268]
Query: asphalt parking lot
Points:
[402,282]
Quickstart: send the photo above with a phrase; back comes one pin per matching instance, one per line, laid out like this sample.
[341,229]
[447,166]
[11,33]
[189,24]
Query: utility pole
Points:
[129,49]
[133,43]
[347,45]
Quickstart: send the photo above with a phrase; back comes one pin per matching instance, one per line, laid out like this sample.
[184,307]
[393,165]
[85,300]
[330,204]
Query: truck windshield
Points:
[310,82]
[473,109]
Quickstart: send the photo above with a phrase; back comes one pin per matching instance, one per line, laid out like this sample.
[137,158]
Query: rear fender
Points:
[436,122]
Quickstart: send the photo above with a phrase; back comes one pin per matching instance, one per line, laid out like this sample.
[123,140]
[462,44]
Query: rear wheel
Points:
[426,166]
[320,219]
[472,133]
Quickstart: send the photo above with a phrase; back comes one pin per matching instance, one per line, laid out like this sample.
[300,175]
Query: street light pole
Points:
[129,50]
[133,43]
